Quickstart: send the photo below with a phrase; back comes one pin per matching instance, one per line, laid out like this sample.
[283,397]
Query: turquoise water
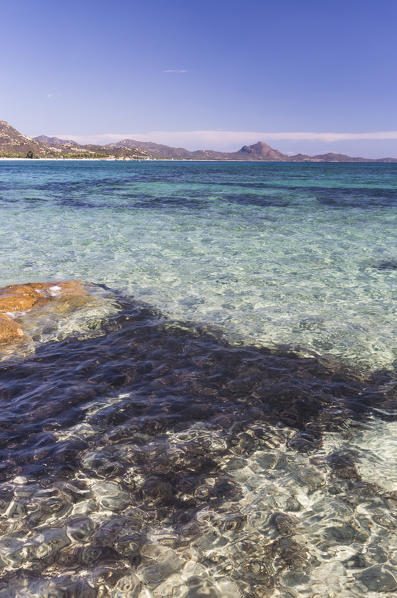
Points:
[297,254]
[218,417]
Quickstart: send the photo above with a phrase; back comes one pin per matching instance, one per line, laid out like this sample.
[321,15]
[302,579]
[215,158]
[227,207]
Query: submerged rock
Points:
[285,524]
[377,579]
[155,460]
[9,330]
[18,298]
[129,585]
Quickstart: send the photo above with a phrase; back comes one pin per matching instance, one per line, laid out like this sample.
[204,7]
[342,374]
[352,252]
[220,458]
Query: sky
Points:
[301,75]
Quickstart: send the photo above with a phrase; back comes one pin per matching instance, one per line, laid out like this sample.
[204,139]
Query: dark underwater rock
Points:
[390,264]
[127,454]
[378,579]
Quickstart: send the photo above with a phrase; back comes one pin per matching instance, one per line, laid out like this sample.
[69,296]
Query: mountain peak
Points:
[14,144]
[54,140]
[262,150]
[259,146]
[11,137]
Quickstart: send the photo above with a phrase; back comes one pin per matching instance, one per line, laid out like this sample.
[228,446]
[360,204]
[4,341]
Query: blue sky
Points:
[204,73]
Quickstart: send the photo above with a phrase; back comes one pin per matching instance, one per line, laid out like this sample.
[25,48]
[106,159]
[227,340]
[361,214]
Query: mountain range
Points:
[260,152]
[15,145]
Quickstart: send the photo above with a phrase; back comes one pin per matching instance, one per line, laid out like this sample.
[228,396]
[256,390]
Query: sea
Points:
[219,419]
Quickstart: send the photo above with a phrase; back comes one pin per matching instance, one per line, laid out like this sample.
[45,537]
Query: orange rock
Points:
[74,287]
[58,288]
[17,298]
[22,297]
[9,330]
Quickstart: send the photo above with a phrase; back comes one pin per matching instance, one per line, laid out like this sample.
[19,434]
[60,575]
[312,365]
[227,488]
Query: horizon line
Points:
[214,135]
[230,141]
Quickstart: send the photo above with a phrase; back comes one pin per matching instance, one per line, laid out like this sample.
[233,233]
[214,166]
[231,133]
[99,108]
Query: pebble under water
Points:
[148,457]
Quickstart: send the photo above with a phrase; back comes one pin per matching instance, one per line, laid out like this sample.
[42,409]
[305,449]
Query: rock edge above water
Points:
[23,297]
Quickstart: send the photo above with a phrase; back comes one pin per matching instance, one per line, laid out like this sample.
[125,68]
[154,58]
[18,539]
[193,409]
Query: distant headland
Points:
[15,145]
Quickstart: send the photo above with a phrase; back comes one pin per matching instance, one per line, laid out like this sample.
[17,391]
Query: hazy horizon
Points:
[229,141]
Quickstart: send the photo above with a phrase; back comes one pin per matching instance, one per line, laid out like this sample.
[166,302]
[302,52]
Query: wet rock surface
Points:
[154,458]
[19,298]
[377,579]
[9,330]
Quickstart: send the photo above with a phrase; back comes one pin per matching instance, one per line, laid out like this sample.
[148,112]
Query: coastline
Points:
[194,161]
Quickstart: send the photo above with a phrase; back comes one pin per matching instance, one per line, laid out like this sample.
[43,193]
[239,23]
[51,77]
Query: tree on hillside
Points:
[30,154]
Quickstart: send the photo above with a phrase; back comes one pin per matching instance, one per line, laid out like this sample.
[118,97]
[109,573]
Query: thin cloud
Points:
[330,137]
[175,71]
[216,139]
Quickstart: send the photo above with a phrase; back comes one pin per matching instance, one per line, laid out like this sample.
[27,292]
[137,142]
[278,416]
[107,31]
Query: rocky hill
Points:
[263,151]
[12,142]
[258,152]
[155,149]
[55,140]
[15,145]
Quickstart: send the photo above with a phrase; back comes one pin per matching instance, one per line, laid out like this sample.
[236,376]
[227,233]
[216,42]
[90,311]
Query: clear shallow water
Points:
[273,253]
[146,458]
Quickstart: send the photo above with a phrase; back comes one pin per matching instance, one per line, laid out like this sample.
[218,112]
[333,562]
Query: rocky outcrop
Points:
[54,140]
[13,142]
[9,330]
[18,298]
[15,145]
[262,151]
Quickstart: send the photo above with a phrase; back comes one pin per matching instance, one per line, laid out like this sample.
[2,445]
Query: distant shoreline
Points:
[23,159]
[15,146]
